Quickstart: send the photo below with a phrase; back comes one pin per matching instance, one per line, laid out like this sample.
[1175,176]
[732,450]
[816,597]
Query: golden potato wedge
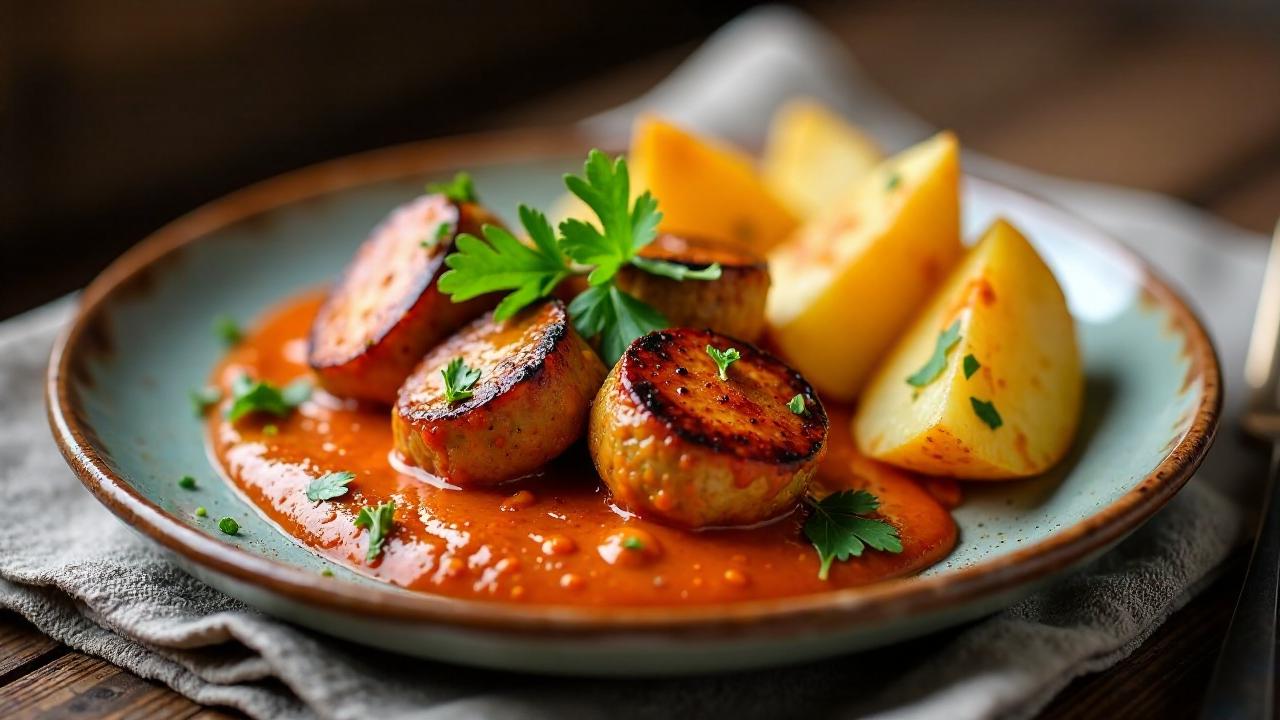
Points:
[537,380]
[706,189]
[847,282]
[676,443]
[812,157]
[385,311]
[1006,400]
[732,305]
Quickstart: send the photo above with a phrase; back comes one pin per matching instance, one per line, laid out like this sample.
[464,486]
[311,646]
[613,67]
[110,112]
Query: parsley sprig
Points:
[259,396]
[458,380]
[839,529]
[378,521]
[329,486]
[723,359]
[461,189]
[530,271]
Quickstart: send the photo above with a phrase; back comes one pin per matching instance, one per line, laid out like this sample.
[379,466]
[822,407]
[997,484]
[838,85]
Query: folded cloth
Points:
[84,578]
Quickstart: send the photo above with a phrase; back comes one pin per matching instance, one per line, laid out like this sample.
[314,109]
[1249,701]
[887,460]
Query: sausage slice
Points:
[676,443]
[537,380]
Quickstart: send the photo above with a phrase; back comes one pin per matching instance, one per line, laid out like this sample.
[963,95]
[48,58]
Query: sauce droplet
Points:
[518,501]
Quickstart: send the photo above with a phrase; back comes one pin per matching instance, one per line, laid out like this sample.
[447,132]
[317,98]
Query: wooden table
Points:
[1182,105]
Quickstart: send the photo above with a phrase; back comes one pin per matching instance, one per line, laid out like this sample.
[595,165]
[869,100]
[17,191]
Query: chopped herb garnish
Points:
[227,330]
[458,380]
[797,405]
[676,271]
[460,189]
[614,315]
[839,529]
[895,179]
[326,572]
[204,398]
[937,362]
[631,542]
[229,526]
[986,412]
[201,512]
[253,396]
[443,231]
[329,486]
[378,521]
[971,366]
[724,358]
[271,430]
[186,482]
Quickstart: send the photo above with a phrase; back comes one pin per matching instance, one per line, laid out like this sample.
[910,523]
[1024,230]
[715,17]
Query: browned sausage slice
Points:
[537,380]
[674,442]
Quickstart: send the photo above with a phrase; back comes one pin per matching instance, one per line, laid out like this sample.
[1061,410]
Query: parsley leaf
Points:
[971,366]
[937,362]
[631,542]
[676,271]
[797,405]
[329,486]
[458,380]
[839,530]
[252,396]
[378,521]
[460,189]
[504,263]
[615,316]
[229,526]
[443,231]
[227,330]
[204,398]
[606,189]
[986,412]
[725,358]
[186,482]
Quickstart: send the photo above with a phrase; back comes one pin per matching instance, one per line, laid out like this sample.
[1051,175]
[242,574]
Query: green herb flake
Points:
[937,362]
[971,366]
[986,412]
[204,398]
[461,189]
[186,482]
[271,430]
[895,179]
[326,572]
[258,396]
[378,521]
[229,526]
[677,271]
[329,486]
[631,542]
[839,528]
[201,512]
[458,380]
[797,405]
[443,232]
[227,330]
[723,359]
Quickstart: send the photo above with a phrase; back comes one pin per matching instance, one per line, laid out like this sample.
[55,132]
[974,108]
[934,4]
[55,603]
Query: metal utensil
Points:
[1243,684]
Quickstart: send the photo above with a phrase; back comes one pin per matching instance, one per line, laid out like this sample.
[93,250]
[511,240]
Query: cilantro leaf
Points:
[378,521]
[624,227]
[797,405]
[204,398]
[460,189]
[937,362]
[253,396]
[971,366]
[329,486]
[986,412]
[227,330]
[458,380]
[839,530]
[477,267]
[676,271]
[724,358]
[615,316]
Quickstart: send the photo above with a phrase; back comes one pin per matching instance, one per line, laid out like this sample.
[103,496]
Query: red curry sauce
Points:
[552,538]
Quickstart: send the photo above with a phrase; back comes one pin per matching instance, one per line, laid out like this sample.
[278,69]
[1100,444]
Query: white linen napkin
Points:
[88,581]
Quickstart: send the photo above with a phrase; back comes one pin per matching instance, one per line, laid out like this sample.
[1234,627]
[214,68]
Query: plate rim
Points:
[882,601]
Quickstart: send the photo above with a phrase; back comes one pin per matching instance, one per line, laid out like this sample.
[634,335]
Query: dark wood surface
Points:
[1181,104]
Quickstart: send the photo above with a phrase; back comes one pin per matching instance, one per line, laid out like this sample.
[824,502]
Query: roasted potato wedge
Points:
[733,305]
[849,281]
[706,189]
[537,380]
[385,312]
[1007,400]
[812,157]
[676,443]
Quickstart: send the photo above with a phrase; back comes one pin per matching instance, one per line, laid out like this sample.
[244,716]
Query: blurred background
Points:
[116,117]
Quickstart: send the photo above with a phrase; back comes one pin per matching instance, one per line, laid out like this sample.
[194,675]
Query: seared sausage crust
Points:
[386,312]
[676,443]
[537,379]
[732,305]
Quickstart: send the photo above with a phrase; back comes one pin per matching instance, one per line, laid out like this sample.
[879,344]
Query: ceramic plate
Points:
[119,376]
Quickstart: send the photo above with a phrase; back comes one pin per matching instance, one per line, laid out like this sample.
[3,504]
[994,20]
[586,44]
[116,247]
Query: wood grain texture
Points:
[22,648]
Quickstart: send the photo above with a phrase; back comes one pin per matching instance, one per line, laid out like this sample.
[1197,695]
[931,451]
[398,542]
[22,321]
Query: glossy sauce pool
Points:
[552,538]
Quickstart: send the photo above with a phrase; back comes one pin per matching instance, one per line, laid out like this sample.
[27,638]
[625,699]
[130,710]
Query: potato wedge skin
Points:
[386,311]
[677,444]
[732,305]
[812,156]
[538,378]
[848,282]
[1015,323]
